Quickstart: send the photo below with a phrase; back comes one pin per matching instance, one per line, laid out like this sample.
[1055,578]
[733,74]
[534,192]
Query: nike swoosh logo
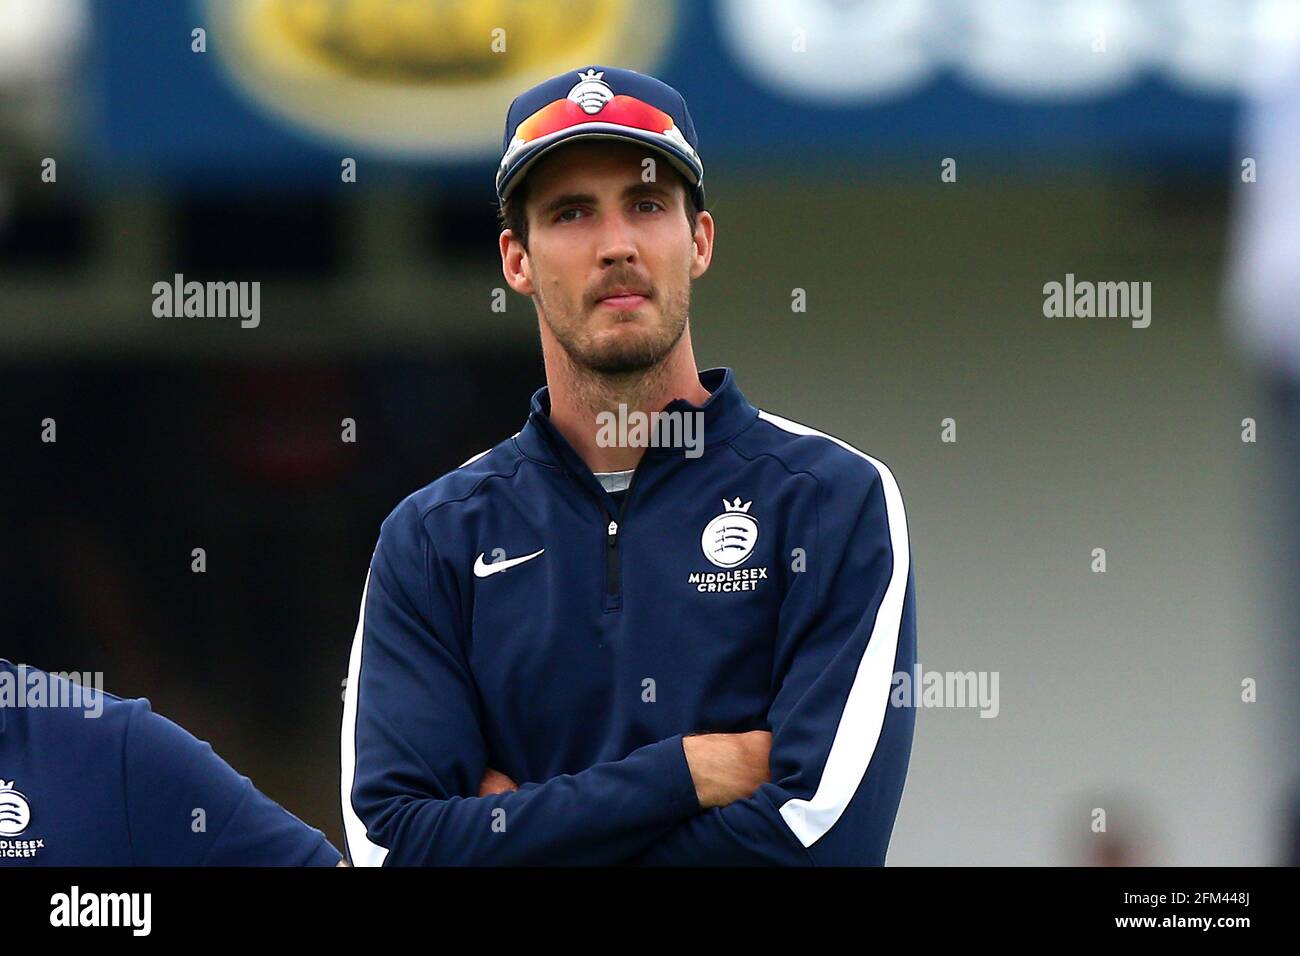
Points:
[482,569]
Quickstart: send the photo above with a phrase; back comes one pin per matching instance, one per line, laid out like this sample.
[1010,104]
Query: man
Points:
[683,655]
[89,779]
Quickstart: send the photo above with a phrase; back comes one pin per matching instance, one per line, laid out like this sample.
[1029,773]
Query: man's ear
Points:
[514,263]
[703,244]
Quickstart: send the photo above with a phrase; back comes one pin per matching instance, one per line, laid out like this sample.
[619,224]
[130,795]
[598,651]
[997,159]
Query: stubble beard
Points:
[629,356]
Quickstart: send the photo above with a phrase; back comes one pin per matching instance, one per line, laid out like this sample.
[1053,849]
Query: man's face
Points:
[610,257]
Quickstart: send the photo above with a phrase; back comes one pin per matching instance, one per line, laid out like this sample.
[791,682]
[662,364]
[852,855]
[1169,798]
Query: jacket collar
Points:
[726,412]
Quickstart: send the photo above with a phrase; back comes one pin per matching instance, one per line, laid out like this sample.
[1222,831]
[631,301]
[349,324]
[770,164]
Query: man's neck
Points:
[578,395]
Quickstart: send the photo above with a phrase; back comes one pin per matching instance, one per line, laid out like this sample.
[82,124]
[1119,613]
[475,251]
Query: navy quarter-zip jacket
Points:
[516,616]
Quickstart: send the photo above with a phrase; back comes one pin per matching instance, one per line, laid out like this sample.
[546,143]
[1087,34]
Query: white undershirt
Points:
[613,481]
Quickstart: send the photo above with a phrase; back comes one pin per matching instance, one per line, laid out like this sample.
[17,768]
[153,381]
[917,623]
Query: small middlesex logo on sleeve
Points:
[15,811]
[15,818]
[75,908]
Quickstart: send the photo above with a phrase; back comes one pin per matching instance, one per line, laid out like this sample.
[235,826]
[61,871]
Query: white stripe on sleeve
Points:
[860,725]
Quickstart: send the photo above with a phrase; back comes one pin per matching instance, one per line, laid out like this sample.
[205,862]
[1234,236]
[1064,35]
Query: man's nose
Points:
[616,243]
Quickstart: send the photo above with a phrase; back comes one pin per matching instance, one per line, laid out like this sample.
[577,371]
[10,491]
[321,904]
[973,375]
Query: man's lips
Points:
[629,300]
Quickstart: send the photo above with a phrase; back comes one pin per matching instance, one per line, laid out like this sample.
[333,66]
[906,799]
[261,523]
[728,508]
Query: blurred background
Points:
[1113,140]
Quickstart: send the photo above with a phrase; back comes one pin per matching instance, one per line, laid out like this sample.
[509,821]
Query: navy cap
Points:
[599,102]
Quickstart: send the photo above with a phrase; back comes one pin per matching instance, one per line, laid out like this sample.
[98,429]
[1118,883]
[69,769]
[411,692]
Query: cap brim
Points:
[657,141]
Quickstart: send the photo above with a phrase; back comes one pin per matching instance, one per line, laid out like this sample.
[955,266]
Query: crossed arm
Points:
[724,767]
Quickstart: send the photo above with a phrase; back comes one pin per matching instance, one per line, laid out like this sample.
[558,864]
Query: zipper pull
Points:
[613,532]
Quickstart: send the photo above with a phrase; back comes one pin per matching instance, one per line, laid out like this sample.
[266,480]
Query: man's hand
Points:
[727,767]
[494,781]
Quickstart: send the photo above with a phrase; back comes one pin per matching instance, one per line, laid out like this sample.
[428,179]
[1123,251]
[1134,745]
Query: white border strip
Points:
[359,846]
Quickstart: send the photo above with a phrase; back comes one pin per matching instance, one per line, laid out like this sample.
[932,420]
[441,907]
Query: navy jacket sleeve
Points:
[188,807]
[839,750]
[413,750]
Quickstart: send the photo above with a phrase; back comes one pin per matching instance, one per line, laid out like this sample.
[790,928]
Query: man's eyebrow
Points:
[644,189]
[579,199]
[567,199]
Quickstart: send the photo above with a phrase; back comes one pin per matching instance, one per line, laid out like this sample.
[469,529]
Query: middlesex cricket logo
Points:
[15,818]
[730,537]
[591,92]
[728,541]
[15,811]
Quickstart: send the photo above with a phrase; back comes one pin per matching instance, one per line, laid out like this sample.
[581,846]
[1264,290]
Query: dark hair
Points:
[513,213]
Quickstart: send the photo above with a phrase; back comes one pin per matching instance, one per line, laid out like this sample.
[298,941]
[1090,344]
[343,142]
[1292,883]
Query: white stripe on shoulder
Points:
[470,461]
[360,848]
[863,719]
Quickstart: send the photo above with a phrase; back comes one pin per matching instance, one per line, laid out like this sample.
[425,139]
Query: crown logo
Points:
[6,784]
[736,506]
[591,92]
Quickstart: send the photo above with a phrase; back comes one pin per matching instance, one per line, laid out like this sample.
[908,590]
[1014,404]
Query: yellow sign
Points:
[420,77]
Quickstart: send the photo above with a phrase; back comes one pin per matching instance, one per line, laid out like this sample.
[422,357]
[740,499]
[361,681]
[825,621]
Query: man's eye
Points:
[650,202]
[564,215]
